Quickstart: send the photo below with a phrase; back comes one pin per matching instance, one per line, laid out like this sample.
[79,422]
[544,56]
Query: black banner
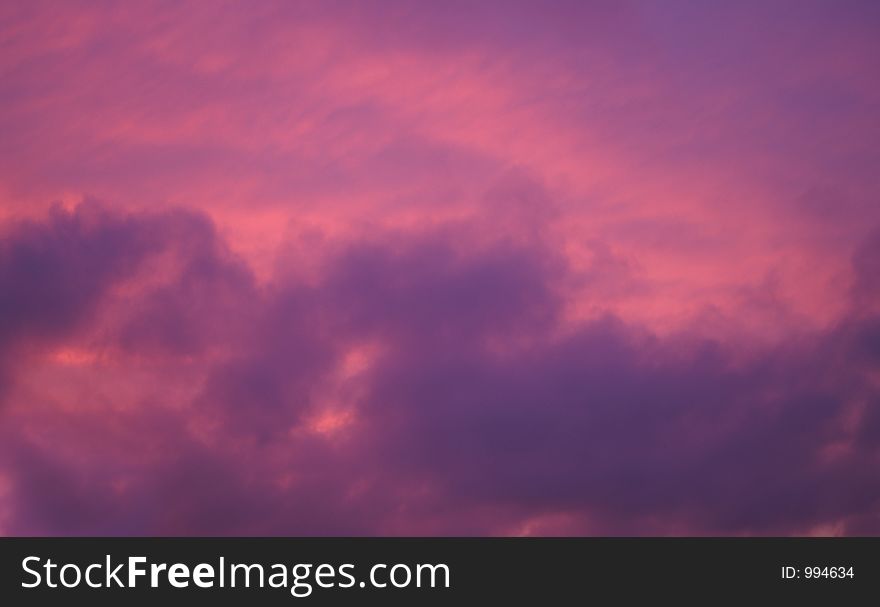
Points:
[435,571]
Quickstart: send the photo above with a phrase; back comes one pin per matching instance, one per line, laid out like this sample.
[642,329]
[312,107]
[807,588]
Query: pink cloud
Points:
[508,268]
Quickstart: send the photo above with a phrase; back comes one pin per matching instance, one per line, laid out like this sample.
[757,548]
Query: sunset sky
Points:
[440,268]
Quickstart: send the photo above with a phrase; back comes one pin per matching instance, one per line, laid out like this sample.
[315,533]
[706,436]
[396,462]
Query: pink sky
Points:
[439,268]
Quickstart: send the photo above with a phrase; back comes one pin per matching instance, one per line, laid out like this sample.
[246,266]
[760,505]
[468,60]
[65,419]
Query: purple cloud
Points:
[477,396]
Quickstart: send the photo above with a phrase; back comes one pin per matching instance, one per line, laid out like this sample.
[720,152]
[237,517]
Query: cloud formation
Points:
[579,268]
[422,384]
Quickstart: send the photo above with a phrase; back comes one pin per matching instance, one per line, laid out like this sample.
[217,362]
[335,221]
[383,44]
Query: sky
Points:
[424,268]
